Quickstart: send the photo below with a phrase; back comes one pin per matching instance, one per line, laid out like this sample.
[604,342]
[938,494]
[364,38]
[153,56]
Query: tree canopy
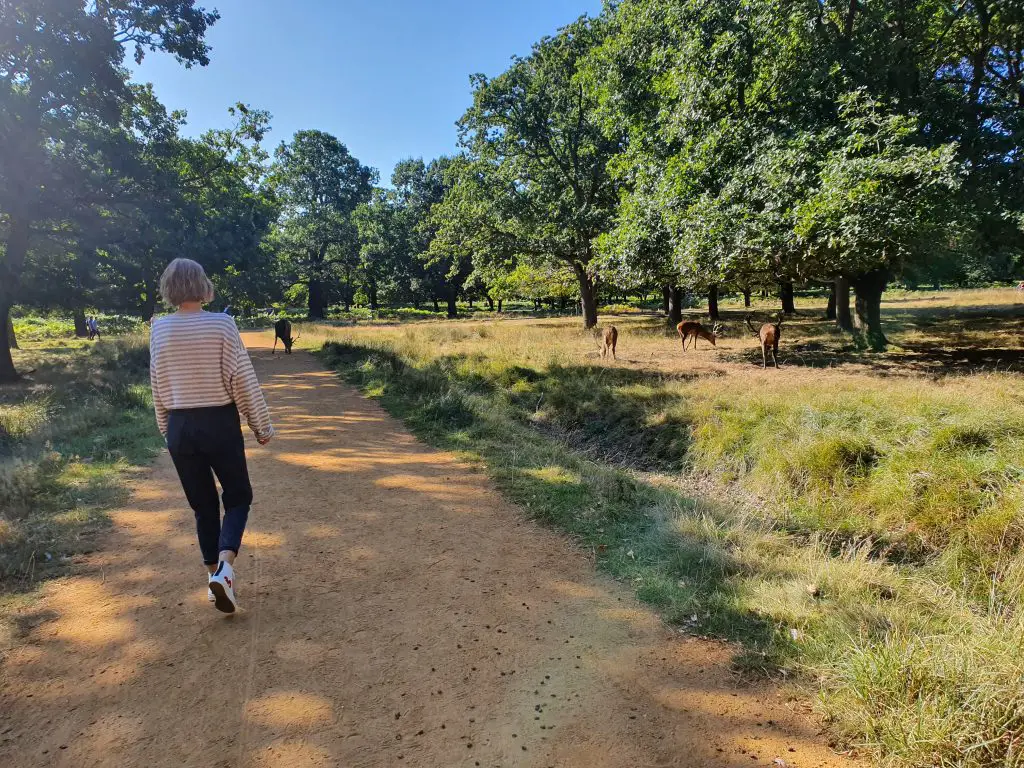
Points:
[663,146]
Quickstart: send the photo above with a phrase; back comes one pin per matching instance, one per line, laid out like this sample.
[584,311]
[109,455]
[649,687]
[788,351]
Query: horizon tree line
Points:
[665,147]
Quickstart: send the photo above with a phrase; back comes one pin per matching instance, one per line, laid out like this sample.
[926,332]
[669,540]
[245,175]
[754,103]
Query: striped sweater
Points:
[197,360]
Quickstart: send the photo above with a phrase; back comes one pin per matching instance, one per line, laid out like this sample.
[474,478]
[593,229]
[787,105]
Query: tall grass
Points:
[854,531]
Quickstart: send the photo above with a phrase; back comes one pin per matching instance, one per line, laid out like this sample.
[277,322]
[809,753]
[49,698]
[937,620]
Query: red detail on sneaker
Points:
[227,580]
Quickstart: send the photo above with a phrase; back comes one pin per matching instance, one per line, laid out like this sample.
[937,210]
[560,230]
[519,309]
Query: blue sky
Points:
[387,77]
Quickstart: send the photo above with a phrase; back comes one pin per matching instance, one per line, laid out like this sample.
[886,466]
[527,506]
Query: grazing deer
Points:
[691,329]
[283,331]
[768,336]
[611,338]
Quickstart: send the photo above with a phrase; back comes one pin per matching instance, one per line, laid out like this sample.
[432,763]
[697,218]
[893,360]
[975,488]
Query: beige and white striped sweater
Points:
[197,360]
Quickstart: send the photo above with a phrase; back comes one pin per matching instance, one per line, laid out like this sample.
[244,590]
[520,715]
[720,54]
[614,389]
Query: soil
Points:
[396,612]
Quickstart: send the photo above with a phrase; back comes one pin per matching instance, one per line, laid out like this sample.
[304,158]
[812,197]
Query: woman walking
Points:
[202,380]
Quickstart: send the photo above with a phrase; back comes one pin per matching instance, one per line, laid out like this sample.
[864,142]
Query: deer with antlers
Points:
[691,329]
[768,337]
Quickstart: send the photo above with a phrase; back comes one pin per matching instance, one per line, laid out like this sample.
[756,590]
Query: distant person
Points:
[88,327]
[227,310]
[202,380]
[94,329]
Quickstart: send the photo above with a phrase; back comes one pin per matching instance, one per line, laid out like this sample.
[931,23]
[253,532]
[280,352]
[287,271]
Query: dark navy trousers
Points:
[207,442]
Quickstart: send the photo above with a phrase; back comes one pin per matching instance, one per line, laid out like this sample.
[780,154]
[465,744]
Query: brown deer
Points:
[768,336]
[611,338]
[691,329]
[283,331]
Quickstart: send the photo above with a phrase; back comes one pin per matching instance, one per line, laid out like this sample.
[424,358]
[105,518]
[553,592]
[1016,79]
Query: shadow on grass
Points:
[68,434]
[667,546]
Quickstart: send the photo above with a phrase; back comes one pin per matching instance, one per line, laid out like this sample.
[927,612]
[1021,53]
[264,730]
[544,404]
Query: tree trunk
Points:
[500,302]
[490,304]
[316,299]
[675,306]
[666,298]
[830,311]
[12,262]
[372,290]
[843,319]
[437,307]
[12,339]
[786,294]
[713,302]
[746,297]
[8,373]
[470,303]
[148,307]
[78,314]
[453,310]
[588,301]
[562,301]
[868,304]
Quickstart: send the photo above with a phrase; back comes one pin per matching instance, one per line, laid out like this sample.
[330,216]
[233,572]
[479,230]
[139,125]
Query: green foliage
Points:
[320,185]
[63,101]
[52,326]
[536,186]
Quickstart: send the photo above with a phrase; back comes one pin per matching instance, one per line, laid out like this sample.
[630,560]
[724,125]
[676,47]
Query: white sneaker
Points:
[222,586]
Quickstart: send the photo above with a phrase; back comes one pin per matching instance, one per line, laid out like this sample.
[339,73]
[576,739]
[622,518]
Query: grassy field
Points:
[853,520]
[69,435]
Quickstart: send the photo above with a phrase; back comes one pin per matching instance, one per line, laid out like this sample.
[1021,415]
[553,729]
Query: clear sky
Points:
[387,77]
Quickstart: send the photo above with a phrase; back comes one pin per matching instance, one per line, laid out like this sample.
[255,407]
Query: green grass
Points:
[37,327]
[858,533]
[69,434]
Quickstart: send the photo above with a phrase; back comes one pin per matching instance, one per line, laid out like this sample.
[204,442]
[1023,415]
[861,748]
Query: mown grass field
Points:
[853,520]
[70,433]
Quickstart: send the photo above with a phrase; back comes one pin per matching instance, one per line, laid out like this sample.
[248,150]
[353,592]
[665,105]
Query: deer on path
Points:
[283,331]
[611,338]
[768,337]
[691,329]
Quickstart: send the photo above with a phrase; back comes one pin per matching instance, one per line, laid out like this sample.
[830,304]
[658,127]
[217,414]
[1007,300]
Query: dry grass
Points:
[68,434]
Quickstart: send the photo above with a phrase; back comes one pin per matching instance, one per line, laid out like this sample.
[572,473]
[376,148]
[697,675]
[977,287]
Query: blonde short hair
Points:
[185,280]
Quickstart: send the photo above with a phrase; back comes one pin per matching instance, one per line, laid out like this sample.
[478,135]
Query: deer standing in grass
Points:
[691,329]
[611,338]
[768,336]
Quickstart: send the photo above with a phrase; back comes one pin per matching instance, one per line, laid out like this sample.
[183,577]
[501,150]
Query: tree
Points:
[452,224]
[61,64]
[882,204]
[535,142]
[320,185]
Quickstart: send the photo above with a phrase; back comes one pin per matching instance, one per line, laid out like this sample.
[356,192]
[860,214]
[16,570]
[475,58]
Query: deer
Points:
[691,329]
[768,337]
[283,331]
[611,338]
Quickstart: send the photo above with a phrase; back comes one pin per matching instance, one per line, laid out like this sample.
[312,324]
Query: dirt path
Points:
[397,612]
